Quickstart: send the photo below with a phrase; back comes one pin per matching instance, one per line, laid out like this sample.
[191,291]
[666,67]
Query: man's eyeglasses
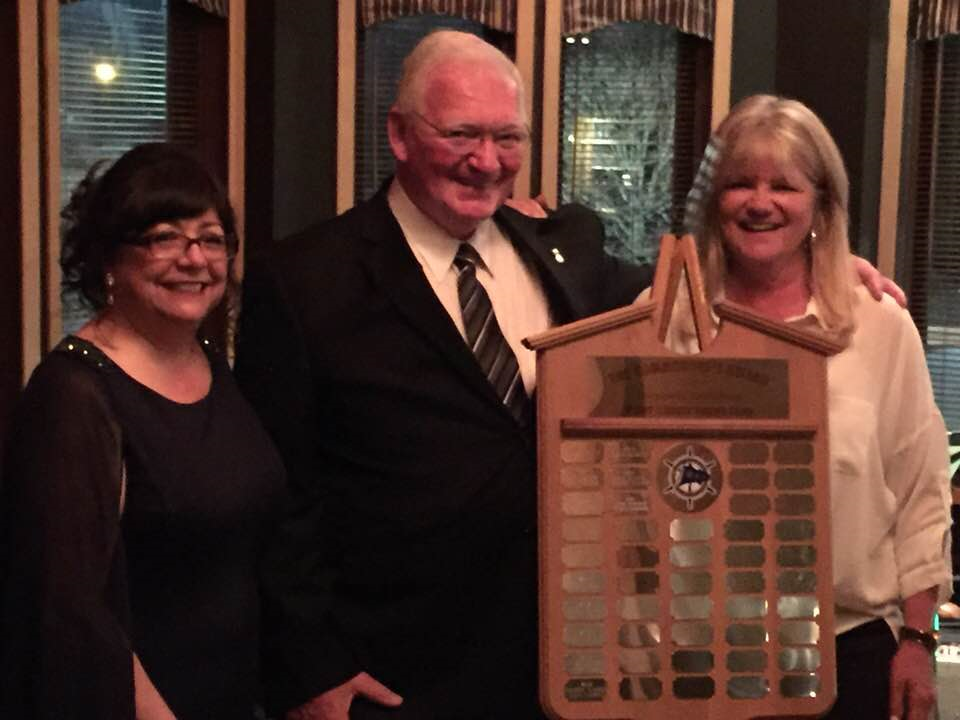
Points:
[466,139]
[172,245]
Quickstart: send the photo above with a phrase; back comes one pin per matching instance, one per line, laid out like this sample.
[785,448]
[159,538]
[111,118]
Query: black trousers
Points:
[864,655]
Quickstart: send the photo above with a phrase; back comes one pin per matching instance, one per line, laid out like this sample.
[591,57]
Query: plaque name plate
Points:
[692,387]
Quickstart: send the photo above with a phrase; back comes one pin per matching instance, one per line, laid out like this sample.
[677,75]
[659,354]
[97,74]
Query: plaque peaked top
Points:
[683,512]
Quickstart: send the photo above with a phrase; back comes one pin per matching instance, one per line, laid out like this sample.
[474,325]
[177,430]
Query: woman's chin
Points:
[763,259]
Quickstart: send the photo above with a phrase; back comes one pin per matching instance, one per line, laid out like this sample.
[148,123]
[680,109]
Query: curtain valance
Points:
[936,18]
[694,17]
[496,14]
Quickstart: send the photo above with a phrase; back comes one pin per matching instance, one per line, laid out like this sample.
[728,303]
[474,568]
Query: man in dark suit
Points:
[409,562]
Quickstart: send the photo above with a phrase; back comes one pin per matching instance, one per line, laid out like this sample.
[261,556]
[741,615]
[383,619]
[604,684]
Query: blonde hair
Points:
[765,124]
[448,46]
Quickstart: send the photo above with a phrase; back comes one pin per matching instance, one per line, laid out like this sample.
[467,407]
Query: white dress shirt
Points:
[514,290]
[890,490]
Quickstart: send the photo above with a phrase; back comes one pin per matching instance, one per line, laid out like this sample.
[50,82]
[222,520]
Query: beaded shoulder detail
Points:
[210,348]
[85,350]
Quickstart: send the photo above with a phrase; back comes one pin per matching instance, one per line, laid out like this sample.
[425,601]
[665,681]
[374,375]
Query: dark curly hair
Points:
[150,184]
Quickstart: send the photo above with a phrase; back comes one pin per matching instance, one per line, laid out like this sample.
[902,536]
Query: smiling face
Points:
[766,211]
[181,290]
[454,188]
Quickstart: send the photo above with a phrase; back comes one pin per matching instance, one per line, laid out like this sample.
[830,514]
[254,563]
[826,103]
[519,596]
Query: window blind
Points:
[183,82]
[935,279]
[102,117]
[113,58]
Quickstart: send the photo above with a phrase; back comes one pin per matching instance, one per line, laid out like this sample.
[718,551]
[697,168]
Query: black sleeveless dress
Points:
[172,575]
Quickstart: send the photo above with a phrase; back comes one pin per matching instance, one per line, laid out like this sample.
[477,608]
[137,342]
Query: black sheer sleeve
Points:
[64,614]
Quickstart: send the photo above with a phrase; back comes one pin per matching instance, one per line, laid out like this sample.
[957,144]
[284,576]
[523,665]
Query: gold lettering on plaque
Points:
[693,387]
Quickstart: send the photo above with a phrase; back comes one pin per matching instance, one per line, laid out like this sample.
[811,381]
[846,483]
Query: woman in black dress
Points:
[137,483]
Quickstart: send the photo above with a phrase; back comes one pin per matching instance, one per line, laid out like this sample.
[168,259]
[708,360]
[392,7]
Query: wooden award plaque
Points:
[685,561]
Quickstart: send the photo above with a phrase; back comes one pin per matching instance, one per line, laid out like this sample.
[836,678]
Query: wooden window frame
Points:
[893,129]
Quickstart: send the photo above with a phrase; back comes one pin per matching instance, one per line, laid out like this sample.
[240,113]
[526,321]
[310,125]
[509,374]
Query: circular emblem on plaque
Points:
[689,477]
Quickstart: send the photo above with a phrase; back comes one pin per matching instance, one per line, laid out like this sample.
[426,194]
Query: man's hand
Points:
[911,681]
[876,283]
[335,704]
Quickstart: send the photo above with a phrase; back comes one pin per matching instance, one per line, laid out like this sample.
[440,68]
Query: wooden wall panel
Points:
[11,370]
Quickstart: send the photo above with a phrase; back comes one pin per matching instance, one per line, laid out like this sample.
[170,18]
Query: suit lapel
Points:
[543,249]
[397,273]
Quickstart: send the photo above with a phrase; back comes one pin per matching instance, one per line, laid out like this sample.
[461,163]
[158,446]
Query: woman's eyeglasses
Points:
[172,245]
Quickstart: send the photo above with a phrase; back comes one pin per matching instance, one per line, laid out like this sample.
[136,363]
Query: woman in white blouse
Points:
[774,238]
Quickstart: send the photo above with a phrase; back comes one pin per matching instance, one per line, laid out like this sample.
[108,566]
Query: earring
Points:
[109,281]
[813,236]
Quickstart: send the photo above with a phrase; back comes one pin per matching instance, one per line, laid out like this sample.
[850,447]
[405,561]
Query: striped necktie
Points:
[485,338]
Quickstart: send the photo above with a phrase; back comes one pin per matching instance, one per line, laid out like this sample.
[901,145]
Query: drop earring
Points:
[109,281]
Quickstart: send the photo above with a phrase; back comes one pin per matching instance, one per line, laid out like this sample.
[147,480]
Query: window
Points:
[634,122]
[112,92]
[131,72]
[935,272]
[112,82]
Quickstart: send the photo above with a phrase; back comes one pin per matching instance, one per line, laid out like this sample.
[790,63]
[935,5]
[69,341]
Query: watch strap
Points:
[925,638]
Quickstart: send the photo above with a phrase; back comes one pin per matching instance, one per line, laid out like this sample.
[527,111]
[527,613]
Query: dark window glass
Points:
[634,123]
[935,273]
[380,53]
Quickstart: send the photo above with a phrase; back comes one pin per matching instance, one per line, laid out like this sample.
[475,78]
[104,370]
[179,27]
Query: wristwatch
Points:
[925,637]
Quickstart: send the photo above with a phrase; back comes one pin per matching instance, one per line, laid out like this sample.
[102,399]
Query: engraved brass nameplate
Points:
[692,387]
